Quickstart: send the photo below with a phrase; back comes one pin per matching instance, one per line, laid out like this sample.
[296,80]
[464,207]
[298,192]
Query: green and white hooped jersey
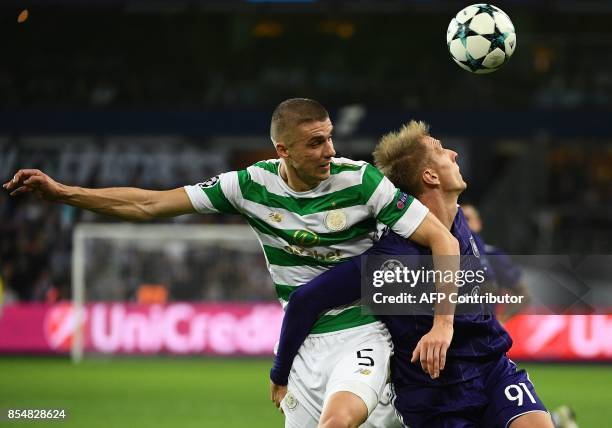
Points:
[305,233]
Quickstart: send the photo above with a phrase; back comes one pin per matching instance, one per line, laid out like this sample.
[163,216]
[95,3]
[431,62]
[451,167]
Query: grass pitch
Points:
[166,392]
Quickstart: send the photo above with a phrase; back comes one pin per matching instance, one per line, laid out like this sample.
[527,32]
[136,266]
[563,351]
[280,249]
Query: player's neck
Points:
[293,180]
[443,206]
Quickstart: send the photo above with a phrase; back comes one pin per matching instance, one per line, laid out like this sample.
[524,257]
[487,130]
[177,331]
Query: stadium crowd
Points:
[255,62]
[207,60]
[36,238]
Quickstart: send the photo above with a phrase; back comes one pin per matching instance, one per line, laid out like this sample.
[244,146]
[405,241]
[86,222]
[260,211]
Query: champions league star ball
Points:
[481,38]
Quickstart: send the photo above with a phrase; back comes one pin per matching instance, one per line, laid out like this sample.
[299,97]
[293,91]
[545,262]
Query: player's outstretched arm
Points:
[128,203]
[431,349]
[338,286]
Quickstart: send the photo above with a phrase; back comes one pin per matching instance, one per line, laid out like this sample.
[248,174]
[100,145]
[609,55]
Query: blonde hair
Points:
[401,156]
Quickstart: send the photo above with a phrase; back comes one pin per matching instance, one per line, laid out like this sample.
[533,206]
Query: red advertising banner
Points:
[561,337]
[118,328]
[251,329]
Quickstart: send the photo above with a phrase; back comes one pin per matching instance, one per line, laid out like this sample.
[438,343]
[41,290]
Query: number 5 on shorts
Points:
[369,360]
[519,393]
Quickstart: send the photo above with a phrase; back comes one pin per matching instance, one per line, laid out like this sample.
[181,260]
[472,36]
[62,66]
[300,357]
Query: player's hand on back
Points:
[431,349]
[33,180]
[277,393]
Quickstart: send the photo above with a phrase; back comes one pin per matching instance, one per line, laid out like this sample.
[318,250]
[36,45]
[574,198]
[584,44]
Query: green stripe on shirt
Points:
[279,257]
[352,317]
[395,209]
[304,237]
[370,181]
[348,197]
[337,168]
[218,199]
[268,166]
[283,291]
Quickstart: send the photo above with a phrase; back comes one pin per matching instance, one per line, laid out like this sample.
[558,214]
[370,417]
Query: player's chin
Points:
[460,186]
[323,173]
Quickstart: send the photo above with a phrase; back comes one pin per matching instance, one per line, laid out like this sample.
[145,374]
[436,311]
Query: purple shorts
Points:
[492,399]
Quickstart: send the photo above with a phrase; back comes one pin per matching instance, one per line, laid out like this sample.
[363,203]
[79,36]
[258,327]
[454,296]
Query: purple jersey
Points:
[507,274]
[479,386]
[500,267]
[476,337]
[492,400]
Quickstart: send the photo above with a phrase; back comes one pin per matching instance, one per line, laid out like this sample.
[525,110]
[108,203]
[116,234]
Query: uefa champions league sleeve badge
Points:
[209,183]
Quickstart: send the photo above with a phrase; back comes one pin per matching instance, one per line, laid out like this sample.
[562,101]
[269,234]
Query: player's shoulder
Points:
[460,215]
[469,242]
[347,161]
[492,250]
[339,165]
[345,173]
[263,172]
[357,172]
[392,243]
[269,165]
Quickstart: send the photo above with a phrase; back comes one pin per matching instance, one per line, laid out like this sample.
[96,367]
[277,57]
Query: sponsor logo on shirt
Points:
[305,238]
[330,256]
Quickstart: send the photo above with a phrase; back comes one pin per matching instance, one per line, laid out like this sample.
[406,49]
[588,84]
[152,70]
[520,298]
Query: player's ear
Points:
[430,177]
[281,151]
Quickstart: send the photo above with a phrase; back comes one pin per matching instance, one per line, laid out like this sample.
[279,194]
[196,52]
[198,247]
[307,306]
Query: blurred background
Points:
[159,94]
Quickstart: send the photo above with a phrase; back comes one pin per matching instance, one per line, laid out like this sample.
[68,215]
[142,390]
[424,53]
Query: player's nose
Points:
[329,150]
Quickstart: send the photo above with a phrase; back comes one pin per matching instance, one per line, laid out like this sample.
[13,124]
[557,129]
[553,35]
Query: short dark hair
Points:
[292,113]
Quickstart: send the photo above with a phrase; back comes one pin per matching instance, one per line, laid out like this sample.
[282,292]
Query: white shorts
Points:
[354,360]
[384,414]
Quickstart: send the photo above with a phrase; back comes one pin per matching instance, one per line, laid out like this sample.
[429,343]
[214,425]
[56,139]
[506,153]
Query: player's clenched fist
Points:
[33,180]
[431,349]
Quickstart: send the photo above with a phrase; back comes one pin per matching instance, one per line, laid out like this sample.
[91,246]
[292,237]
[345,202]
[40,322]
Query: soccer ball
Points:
[481,38]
